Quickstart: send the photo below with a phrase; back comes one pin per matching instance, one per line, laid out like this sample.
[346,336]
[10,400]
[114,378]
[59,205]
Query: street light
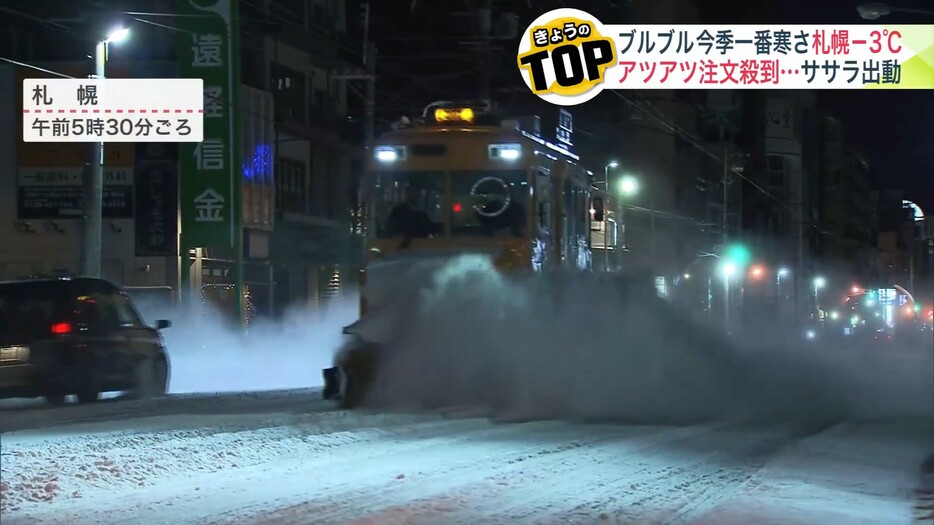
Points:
[94,203]
[606,219]
[728,269]
[874,11]
[628,186]
[117,35]
[782,272]
[819,282]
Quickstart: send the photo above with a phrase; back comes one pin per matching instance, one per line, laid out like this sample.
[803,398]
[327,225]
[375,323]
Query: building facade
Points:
[904,247]
[781,200]
[316,148]
[846,206]
[665,225]
[297,172]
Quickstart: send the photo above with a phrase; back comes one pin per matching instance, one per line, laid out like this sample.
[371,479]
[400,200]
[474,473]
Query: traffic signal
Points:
[738,254]
[757,272]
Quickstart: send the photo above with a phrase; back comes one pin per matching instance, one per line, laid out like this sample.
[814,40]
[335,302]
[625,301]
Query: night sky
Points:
[894,129]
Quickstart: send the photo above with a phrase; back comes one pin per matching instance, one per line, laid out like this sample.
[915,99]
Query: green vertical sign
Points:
[209,193]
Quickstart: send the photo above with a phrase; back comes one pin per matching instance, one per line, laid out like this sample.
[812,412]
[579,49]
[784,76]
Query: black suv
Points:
[81,337]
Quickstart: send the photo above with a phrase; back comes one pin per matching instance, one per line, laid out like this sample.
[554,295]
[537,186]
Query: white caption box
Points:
[113,110]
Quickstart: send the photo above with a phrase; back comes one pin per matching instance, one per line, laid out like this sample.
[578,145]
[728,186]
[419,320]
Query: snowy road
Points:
[283,458]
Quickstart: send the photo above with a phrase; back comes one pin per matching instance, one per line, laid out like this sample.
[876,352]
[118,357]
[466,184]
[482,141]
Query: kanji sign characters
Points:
[567,57]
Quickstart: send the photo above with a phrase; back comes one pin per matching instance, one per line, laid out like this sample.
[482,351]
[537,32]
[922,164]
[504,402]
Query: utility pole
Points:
[485,26]
[724,237]
[726,194]
[653,191]
[369,101]
[369,134]
[369,104]
[368,75]
[94,189]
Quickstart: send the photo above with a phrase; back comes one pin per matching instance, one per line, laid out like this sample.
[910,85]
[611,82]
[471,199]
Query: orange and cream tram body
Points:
[460,182]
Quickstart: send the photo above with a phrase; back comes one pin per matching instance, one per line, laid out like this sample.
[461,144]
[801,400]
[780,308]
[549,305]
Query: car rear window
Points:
[29,310]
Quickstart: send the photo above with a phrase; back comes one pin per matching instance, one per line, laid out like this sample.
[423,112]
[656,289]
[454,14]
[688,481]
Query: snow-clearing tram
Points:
[459,181]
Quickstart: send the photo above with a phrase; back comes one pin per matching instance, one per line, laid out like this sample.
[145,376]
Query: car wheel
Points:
[152,379]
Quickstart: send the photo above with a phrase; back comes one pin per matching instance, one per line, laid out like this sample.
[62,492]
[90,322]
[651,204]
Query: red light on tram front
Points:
[61,328]
[457,207]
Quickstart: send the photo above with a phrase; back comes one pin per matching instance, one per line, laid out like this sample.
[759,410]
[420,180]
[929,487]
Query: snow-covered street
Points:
[288,458]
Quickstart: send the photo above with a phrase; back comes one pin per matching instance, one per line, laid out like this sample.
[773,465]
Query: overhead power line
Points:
[659,118]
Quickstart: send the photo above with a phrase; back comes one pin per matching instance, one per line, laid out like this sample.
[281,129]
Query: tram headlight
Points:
[505,151]
[389,153]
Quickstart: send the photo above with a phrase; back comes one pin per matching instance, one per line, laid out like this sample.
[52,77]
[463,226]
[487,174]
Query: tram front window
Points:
[410,205]
[489,203]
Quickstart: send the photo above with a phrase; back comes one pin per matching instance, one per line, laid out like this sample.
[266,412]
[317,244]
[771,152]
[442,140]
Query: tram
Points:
[458,181]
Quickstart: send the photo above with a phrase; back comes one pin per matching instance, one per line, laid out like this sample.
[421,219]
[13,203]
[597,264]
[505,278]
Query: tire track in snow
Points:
[277,479]
[378,486]
[539,446]
[712,495]
[586,468]
[720,464]
[545,491]
[143,461]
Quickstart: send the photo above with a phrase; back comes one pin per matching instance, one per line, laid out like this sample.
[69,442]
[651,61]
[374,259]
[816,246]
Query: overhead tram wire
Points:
[284,15]
[180,30]
[34,67]
[45,22]
[697,144]
[135,15]
[402,102]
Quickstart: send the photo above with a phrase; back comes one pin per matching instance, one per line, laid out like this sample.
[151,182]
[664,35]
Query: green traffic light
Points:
[738,254]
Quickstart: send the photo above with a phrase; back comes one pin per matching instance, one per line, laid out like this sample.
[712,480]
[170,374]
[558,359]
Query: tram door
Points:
[544,215]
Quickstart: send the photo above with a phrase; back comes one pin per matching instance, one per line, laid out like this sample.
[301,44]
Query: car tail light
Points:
[61,328]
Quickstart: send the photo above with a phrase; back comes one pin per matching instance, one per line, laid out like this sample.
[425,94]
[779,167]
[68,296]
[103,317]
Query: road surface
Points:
[287,458]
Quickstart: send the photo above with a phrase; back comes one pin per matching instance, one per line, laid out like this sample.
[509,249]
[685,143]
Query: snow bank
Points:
[600,346]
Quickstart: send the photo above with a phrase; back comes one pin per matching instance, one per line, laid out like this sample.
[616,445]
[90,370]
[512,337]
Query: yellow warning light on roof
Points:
[454,115]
